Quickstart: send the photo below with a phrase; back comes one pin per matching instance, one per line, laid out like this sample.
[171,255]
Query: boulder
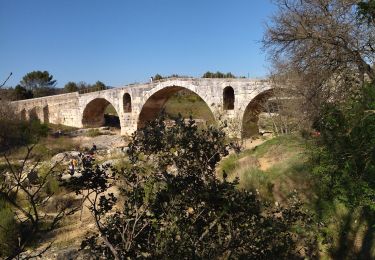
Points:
[65,156]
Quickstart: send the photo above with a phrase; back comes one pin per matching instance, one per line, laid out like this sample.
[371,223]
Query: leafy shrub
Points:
[15,133]
[176,207]
[346,155]
[344,162]
[8,230]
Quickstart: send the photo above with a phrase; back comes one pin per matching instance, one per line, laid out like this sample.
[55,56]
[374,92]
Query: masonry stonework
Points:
[135,104]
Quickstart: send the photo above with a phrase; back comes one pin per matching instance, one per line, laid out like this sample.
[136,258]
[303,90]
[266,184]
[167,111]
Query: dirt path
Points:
[252,143]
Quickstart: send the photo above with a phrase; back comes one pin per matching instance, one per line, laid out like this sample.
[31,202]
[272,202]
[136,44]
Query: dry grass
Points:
[73,230]
[46,148]
[274,168]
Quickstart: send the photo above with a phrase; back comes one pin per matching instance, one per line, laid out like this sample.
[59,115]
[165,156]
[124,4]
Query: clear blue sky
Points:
[123,41]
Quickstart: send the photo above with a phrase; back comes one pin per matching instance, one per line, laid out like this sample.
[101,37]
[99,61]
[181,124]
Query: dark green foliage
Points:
[85,87]
[15,133]
[22,93]
[38,79]
[44,91]
[347,158]
[345,166]
[71,87]
[176,207]
[99,85]
[157,77]
[366,10]
[41,83]
[8,230]
[218,74]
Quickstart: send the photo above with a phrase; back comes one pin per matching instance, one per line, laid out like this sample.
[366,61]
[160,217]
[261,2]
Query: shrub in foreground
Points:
[175,206]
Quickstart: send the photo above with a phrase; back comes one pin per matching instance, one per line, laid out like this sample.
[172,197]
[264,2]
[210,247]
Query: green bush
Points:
[176,207]
[8,230]
[15,132]
[346,155]
[344,160]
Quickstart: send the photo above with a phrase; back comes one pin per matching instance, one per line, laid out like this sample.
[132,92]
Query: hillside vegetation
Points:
[275,168]
[282,166]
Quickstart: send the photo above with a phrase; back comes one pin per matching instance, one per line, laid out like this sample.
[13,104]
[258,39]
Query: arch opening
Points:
[228,98]
[250,119]
[100,112]
[176,100]
[127,103]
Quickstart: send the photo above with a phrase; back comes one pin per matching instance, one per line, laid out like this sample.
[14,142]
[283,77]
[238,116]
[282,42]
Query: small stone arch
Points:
[228,98]
[93,113]
[154,104]
[127,103]
[252,111]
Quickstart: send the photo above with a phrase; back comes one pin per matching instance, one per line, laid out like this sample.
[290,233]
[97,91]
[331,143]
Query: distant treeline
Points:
[208,74]
[40,84]
[219,75]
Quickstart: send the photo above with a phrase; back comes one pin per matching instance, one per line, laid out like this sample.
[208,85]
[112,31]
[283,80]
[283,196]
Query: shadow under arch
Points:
[252,111]
[94,113]
[33,114]
[155,104]
[46,114]
[23,114]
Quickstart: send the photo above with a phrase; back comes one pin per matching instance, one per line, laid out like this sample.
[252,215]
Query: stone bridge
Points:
[136,104]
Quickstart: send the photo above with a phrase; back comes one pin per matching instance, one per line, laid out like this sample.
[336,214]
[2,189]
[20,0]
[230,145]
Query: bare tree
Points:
[23,184]
[283,112]
[5,81]
[324,45]
[23,188]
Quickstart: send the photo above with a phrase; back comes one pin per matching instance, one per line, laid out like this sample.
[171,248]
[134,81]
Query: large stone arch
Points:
[251,113]
[155,100]
[93,112]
